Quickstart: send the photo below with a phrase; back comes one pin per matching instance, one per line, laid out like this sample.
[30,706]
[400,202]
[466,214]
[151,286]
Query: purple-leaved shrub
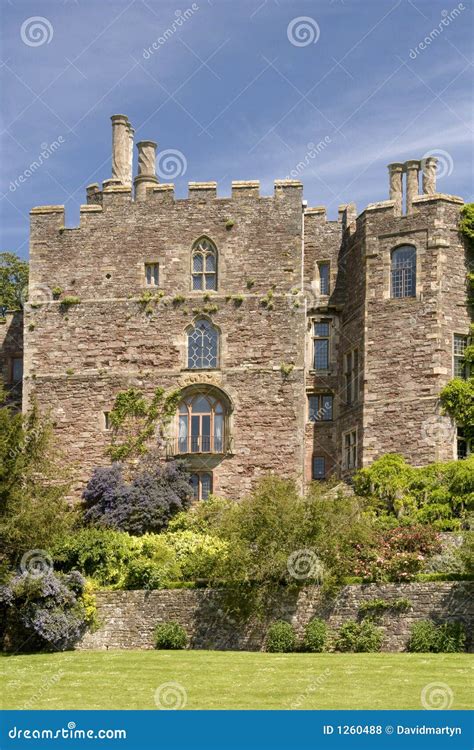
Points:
[43,613]
[144,504]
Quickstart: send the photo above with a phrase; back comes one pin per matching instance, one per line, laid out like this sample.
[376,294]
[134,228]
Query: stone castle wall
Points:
[128,618]
[268,298]
[78,358]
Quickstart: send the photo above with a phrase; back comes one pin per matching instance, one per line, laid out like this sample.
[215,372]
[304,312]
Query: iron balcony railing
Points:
[199,444]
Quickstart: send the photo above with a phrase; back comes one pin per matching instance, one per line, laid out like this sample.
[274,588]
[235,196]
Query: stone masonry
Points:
[128,618]
[282,268]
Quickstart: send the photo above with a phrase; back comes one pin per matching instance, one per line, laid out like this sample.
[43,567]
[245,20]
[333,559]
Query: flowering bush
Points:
[45,612]
[146,503]
[399,554]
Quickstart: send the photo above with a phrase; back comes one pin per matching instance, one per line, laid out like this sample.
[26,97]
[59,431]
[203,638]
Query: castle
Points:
[303,347]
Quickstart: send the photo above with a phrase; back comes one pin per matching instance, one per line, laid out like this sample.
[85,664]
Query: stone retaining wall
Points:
[128,618]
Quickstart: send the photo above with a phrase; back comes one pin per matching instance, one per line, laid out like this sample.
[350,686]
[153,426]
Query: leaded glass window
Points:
[321,334]
[203,346]
[320,407]
[319,467]
[204,265]
[201,425]
[202,485]
[459,363]
[403,272]
[323,278]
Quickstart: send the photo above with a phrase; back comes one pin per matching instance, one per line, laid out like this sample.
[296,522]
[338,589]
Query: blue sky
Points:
[239,88]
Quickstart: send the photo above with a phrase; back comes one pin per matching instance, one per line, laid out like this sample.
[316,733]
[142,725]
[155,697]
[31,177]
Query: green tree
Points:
[13,280]
[33,509]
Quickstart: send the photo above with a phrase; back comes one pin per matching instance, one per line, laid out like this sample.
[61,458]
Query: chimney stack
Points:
[146,177]
[396,185]
[429,167]
[412,168]
[122,149]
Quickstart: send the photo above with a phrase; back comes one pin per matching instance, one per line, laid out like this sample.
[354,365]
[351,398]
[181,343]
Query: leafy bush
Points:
[440,494]
[359,637]
[154,566]
[153,561]
[315,636]
[32,486]
[45,612]
[156,493]
[281,638]
[170,635]
[398,554]
[101,554]
[198,555]
[427,637]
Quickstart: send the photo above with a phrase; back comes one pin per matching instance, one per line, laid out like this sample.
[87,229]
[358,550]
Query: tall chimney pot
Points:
[146,177]
[395,171]
[429,167]
[122,131]
[412,169]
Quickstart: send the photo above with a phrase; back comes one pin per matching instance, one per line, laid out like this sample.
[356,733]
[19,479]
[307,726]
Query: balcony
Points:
[199,444]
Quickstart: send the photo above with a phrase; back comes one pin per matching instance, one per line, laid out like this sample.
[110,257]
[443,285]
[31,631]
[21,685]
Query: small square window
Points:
[152,277]
[319,467]
[320,408]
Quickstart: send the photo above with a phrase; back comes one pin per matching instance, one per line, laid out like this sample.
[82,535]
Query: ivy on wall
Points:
[134,421]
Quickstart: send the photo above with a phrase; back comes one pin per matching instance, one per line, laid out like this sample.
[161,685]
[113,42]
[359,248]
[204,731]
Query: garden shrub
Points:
[154,566]
[146,503]
[198,555]
[101,554]
[359,637]
[33,485]
[170,635]
[427,637]
[441,494]
[315,636]
[399,554]
[46,612]
[281,638]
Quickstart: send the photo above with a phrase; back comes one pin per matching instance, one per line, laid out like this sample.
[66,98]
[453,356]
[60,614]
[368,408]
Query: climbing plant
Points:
[134,421]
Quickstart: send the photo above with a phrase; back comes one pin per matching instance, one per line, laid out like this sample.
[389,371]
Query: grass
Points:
[230,680]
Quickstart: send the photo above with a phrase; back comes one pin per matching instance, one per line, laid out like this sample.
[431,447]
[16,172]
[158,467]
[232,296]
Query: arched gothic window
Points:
[403,271]
[203,345]
[204,265]
[201,425]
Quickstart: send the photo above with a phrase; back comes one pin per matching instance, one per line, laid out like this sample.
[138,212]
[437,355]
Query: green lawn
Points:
[235,680]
